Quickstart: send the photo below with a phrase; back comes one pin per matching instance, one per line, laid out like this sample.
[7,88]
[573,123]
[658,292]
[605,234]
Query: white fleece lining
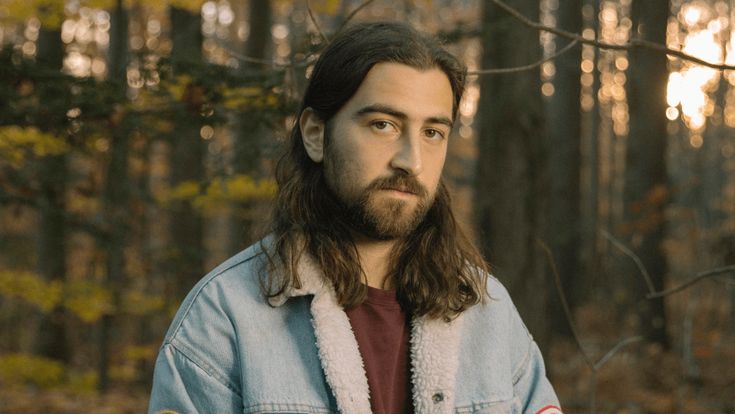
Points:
[434,360]
[434,350]
[338,351]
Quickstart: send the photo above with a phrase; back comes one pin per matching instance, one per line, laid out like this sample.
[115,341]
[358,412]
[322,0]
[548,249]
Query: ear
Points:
[312,133]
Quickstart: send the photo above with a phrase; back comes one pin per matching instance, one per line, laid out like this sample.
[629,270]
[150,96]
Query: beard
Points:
[385,218]
[370,213]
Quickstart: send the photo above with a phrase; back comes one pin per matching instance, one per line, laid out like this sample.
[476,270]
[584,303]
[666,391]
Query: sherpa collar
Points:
[434,350]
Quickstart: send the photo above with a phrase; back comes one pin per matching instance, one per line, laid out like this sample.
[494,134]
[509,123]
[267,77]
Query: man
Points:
[366,297]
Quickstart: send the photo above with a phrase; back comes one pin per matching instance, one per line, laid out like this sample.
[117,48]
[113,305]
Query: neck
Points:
[375,260]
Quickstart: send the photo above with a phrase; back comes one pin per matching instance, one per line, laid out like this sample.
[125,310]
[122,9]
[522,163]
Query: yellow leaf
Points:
[139,303]
[81,382]
[88,300]
[329,7]
[101,4]
[49,12]
[31,288]
[20,369]
[186,190]
[236,189]
[192,5]
[134,353]
[17,144]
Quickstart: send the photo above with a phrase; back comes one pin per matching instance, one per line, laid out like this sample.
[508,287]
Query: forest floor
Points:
[695,375]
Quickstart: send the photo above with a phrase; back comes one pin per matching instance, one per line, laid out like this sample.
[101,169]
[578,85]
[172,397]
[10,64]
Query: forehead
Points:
[420,93]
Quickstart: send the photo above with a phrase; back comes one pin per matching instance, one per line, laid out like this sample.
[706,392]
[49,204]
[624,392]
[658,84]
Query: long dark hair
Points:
[436,270]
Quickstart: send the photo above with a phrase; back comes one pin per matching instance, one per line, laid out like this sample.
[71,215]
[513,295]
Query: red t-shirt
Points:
[383,334]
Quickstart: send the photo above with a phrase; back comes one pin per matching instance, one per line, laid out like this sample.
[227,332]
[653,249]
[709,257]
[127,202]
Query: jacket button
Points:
[437,398]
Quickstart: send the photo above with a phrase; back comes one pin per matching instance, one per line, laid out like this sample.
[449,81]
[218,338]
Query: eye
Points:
[434,134]
[382,126]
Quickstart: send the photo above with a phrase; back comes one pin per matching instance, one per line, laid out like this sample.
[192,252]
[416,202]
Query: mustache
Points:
[405,183]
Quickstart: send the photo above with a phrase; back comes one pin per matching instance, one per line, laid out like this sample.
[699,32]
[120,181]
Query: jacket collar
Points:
[434,349]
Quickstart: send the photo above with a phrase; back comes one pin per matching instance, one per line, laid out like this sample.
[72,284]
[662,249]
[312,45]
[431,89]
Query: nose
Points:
[408,157]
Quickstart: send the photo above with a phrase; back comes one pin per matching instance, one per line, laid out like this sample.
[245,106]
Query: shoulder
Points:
[234,282]
[496,321]
[497,304]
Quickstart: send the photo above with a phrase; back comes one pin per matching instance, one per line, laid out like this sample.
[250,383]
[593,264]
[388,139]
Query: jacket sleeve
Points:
[530,384]
[183,385]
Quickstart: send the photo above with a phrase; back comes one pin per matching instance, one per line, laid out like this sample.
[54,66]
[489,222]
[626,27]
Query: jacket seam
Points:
[287,406]
[207,368]
[524,363]
[184,315]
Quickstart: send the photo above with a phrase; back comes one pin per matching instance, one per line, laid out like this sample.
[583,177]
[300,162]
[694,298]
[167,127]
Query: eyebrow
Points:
[385,109]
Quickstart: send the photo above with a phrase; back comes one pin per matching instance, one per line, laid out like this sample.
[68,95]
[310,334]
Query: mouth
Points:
[400,191]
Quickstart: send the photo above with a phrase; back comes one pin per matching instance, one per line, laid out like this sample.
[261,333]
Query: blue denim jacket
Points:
[229,351]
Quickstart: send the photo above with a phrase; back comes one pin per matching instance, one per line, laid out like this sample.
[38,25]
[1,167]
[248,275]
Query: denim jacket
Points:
[230,351]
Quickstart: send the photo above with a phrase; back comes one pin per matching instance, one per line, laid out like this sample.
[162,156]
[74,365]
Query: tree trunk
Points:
[250,129]
[589,237]
[564,129]
[710,165]
[512,180]
[645,193]
[187,156]
[52,336]
[116,190]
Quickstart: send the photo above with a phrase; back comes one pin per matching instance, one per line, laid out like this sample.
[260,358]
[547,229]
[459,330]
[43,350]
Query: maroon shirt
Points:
[383,333]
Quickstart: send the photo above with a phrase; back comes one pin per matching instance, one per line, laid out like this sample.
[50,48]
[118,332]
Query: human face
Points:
[385,148]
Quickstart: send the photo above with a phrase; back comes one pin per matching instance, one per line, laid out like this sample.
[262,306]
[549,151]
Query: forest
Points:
[593,162]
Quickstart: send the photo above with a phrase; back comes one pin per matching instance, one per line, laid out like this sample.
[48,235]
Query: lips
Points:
[401,189]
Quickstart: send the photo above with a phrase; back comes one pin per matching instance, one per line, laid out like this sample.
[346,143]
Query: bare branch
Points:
[652,292]
[306,61]
[352,14]
[698,277]
[242,57]
[617,243]
[620,345]
[564,303]
[567,312]
[632,44]
[316,23]
[526,67]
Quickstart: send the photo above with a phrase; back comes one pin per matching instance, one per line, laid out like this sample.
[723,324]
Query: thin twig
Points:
[352,14]
[652,292]
[636,259]
[564,304]
[306,61]
[316,23]
[632,44]
[535,65]
[594,367]
[242,57]
[620,345]
[699,276]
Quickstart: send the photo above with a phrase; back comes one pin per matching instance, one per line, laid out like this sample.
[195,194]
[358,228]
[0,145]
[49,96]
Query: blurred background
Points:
[138,140]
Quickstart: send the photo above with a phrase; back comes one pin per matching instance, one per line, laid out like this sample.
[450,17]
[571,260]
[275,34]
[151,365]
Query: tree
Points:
[511,193]
[590,211]
[646,192]
[250,130]
[117,185]
[52,338]
[187,153]
[564,129]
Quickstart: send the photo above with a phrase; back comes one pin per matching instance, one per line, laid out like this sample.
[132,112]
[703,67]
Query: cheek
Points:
[435,165]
